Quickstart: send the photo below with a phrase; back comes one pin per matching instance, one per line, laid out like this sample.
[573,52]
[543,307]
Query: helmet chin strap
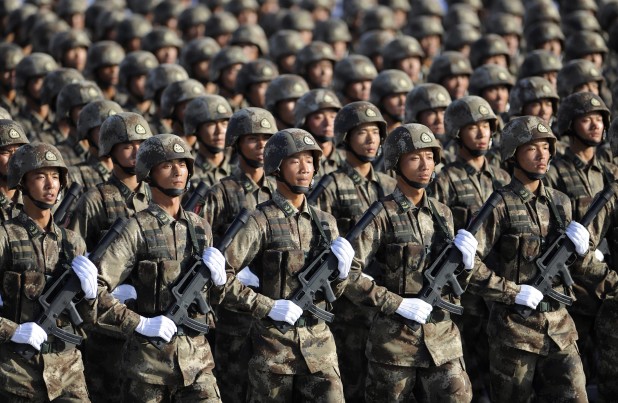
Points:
[533,176]
[211,149]
[126,170]
[294,188]
[416,185]
[473,152]
[323,139]
[251,163]
[396,118]
[589,143]
[41,205]
[171,192]
[362,158]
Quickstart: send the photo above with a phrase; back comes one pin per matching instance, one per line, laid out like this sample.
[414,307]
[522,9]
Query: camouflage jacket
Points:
[331,163]
[89,173]
[73,152]
[204,171]
[33,123]
[8,208]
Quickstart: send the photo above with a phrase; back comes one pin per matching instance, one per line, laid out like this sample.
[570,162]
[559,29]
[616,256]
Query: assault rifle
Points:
[319,189]
[322,271]
[62,211]
[198,194]
[556,260]
[59,296]
[188,290]
[442,270]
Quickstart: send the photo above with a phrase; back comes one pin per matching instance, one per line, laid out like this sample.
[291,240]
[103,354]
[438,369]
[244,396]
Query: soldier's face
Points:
[590,86]
[109,75]
[126,153]
[418,165]
[395,105]
[552,77]
[512,42]
[43,184]
[359,90]
[596,58]
[457,86]
[411,66]
[229,74]
[252,146]
[286,64]
[542,108]
[213,133]
[167,54]
[298,169]
[75,58]
[554,46]
[320,74]
[34,87]
[590,127]
[322,122]
[137,85]
[365,139]
[285,110]
[499,60]
[498,97]
[476,136]
[534,156]
[430,45]
[200,70]
[434,119]
[251,51]
[340,48]
[171,174]
[6,153]
[257,94]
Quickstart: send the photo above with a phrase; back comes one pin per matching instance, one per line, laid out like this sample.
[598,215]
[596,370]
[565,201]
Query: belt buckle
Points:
[45,348]
[301,322]
[544,306]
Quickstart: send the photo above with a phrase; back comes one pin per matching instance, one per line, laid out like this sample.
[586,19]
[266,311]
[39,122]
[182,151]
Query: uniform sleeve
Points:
[328,199]
[214,208]
[440,189]
[87,216]
[7,327]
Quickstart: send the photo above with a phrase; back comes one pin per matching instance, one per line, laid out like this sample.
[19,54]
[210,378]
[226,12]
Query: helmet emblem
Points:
[483,110]
[267,71]
[111,113]
[149,63]
[139,129]
[502,75]
[425,138]
[367,70]
[92,92]
[297,87]
[461,64]
[178,148]
[594,72]
[221,108]
[196,89]
[13,134]
[265,123]
[307,140]
[441,97]
[402,82]
[371,113]
[595,102]
[328,98]
[542,129]
[49,66]
[50,156]
[546,89]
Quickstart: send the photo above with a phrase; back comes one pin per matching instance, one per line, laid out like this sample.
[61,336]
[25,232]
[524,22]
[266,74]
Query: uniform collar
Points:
[579,164]
[288,209]
[524,194]
[162,216]
[355,176]
[33,229]
[405,204]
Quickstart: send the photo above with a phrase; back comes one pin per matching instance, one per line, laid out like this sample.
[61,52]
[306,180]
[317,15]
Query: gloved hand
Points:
[414,309]
[466,243]
[285,311]
[124,292]
[216,263]
[87,273]
[159,326]
[247,278]
[580,236]
[528,296]
[597,254]
[344,252]
[29,333]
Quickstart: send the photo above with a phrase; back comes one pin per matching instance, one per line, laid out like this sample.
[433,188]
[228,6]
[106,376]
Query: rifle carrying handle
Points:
[239,222]
[319,189]
[108,238]
[198,194]
[61,214]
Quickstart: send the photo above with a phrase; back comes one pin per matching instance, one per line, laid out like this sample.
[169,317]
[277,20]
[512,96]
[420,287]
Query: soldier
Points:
[460,38]
[224,70]
[545,35]
[196,56]
[34,251]
[130,31]
[411,230]
[452,70]
[428,31]
[536,356]
[252,40]
[174,100]
[156,81]
[541,63]
[248,186]
[104,59]
[579,75]
[52,85]
[192,22]
[315,112]
[207,118]
[12,135]
[315,63]
[283,45]
[370,45]
[134,69]
[220,27]
[388,93]
[281,97]
[164,43]
[253,80]
[534,96]
[352,78]
[70,49]
[153,251]
[301,21]
[493,83]
[490,49]
[360,130]
[10,56]
[404,53]
[282,236]
[336,33]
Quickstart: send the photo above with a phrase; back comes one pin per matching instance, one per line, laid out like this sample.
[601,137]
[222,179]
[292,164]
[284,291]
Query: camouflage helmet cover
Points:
[55,81]
[284,43]
[10,56]
[399,48]
[355,114]
[197,50]
[351,69]
[250,35]
[489,75]
[160,148]
[313,52]
[121,128]
[425,97]
[34,65]
[539,62]
[161,37]
[465,111]
[203,109]
[486,46]
[314,101]
[284,144]
[102,54]
[32,156]
[256,71]
[524,129]
[449,63]
[76,94]
[136,63]
[389,82]
[407,138]
[226,57]
[577,72]
[161,76]
[531,89]
[284,87]
[249,120]
[94,114]
[579,104]
[11,133]
[177,92]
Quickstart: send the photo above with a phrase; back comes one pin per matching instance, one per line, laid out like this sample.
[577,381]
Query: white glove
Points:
[29,333]
[466,243]
[344,252]
[124,292]
[285,311]
[414,309]
[580,236]
[247,278]
[87,273]
[528,296]
[159,326]
[216,263]
[597,253]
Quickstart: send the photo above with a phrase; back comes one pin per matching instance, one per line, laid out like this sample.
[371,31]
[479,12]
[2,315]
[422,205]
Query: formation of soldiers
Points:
[388,133]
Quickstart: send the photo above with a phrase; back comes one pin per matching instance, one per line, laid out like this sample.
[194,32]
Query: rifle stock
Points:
[198,194]
[62,211]
[319,189]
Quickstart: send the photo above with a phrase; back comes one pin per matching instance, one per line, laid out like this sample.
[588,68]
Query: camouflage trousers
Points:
[517,375]
[266,386]
[607,339]
[445,383]
[232,354]
[103,370]
[205,391]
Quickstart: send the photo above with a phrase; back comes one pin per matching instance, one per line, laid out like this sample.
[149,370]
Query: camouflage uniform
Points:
[153,251]
[538,354]
[407,365]
[29,255]
[11,133]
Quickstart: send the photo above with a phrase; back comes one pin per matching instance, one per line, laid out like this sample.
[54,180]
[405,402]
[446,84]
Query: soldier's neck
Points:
[129,180]
[171,205]
[363,168]
[295,199]
[531,184]
[475,162]
[213,159]
[255,174]
[41,110]
[9,193]
[106,161]
[42,217]
[327,148]
[413,194]
[109,92]
[583,151]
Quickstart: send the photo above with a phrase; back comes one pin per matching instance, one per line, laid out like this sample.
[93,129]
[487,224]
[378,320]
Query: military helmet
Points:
[284,87]
[32,156]
[197,50]
[311,5]
[584,43]
[20,23]
[10,56]
[489,75]
[461,14]
[284,43]
[447,64]
[34,65]
[579,104]
[250,35]
[575,73]
[377,18]
[122,127]
[55,81]
[46,25]
[513,7]
[542,32]
[107,23]
[160,148]
[66,8]
[331,31]
[351,69]
[8,6]
[460,35]
[313,52]
[371,42]
[225,58]
[102,54]
[568,7]
[220,23]
[579,21]
[161,76]
[237,6]
[355,114]
[287,142]
[63,41]
[429,8]
[541,12]
[136,63]
[612,134]
[166,10]
[607,15]
[539,62]
[407,138]
[399,48]
[531,89]
[256,71]
[76,94]
[94,114]
[11,133]
[192,16]
[135,26]
[249,120]
[423,26]
[524,129]
[298,20]
[204,109]
[177,92]
[487,46]
[389,82]
[425,97]
[466,111]
[314,101]
[4,114]
[161,37]
[503,24]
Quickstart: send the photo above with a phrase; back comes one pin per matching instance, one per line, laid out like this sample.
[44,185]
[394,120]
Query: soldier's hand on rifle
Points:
[415,309]
[29,333]
[124,292]
[345,253]
[86,271]
[247,278]
[580,236]
[528,296]
[467,244]
[159,326]
[285,311]
[216,263]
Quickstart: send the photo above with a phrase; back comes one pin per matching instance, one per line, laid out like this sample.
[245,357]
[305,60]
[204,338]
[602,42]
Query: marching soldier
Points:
[12,135]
